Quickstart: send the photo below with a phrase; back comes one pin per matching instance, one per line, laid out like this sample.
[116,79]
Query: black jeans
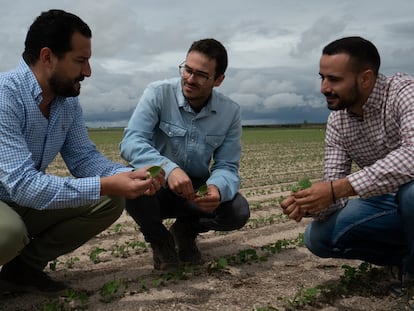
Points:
[149,212]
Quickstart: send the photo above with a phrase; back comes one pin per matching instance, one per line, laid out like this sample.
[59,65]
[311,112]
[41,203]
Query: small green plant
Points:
[70,263]
[352,279]
[302,184]
[53,265]
[220,263]
[154,171]
[77,300]
[143,284]
[94,255]
[73,301]
[303,297]
[202,191]
[118,228]
[113,290]
[173,276]
[276,247]
[123,250]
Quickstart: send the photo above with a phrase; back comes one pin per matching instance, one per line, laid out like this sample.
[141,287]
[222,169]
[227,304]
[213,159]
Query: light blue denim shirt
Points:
[165,130]
[29,143]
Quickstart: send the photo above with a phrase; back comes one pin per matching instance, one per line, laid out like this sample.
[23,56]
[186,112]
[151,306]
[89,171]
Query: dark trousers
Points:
[149,212]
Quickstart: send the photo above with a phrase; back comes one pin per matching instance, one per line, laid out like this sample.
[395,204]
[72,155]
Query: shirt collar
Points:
[374,101]
[183,103]
[32,85]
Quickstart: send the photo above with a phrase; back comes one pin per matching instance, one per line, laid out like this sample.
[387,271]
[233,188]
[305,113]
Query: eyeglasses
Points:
[199,76]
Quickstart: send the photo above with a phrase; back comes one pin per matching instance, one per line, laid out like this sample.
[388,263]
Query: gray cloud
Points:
[274,48]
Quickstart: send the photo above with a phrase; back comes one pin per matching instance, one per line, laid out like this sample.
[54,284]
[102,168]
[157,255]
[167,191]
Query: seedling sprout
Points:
[154,170]
[202,191]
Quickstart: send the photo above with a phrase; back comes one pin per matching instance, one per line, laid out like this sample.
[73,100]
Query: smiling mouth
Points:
[190,86]
[331,98]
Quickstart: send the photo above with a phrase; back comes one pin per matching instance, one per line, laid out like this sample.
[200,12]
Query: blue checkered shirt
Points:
[29,143]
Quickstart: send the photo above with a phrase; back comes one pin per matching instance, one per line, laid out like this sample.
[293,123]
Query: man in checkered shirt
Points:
[43,216]
[371,125]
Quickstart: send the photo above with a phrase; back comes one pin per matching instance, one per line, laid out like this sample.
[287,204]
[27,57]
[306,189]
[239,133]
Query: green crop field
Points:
[114,270]
[271,155]
[279,155]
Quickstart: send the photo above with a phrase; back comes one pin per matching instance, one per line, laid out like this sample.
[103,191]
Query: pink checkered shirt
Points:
[381,143]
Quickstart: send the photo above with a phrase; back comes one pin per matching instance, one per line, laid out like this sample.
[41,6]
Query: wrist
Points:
[341,188]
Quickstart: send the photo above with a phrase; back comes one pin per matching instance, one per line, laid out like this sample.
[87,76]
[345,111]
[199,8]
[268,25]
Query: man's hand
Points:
[180,184]
[291,209]
[210,201]
[132,184]
[316,198]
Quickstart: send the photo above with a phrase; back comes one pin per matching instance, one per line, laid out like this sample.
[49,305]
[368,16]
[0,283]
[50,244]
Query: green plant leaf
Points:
[202,191]
[302,184]
[154,171]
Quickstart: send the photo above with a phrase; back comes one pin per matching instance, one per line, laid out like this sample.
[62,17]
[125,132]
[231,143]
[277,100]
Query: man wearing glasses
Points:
[194,133]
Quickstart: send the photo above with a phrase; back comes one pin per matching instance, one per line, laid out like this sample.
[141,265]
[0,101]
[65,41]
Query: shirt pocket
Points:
[213,142]
[175,141]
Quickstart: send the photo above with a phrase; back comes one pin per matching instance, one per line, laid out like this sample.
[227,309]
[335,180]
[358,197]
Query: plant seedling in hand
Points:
[154,171]
[302,184]
[202,191]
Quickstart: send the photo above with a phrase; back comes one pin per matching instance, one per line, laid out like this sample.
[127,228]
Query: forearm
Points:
[52,192]
[342,188]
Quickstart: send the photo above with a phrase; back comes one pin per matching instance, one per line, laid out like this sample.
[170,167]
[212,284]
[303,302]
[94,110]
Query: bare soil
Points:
[252,278]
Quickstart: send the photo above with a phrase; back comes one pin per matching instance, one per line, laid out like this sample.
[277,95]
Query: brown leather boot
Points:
[164,254]
[185,240]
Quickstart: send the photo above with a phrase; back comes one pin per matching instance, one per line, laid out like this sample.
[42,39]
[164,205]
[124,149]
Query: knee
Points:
[405,197]
[108,210]
[13,238]
[243,212]
[118,206]
[231,215]
[314,243]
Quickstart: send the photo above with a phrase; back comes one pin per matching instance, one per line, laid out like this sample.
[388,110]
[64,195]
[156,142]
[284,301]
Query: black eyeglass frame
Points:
[186,72]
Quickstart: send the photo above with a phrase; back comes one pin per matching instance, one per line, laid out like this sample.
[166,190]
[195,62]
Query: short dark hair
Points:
[363,53]
[214,50]
[53,29]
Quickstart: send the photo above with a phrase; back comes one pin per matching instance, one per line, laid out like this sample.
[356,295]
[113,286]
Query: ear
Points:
[366,78]
[219,80]
[46,57]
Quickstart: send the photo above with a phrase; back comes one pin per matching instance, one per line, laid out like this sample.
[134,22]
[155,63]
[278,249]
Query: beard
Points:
[63,86]
[343,102]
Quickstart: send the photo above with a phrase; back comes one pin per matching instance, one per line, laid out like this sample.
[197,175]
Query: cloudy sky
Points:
[274,48]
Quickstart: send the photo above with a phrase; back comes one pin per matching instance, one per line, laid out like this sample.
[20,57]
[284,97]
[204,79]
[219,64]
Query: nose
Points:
[86,69]
[191,77]
[325,86]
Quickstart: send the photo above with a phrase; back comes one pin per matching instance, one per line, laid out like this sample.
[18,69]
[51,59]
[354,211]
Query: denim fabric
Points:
[370,229]
[165,130]
[405,201]
[149,212]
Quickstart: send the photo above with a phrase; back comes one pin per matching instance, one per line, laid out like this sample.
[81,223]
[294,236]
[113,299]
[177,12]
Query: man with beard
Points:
[372,125]
[194,132]
[43,216]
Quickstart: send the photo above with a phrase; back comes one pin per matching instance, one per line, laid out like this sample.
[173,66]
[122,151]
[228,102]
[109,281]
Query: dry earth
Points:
[252,279]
